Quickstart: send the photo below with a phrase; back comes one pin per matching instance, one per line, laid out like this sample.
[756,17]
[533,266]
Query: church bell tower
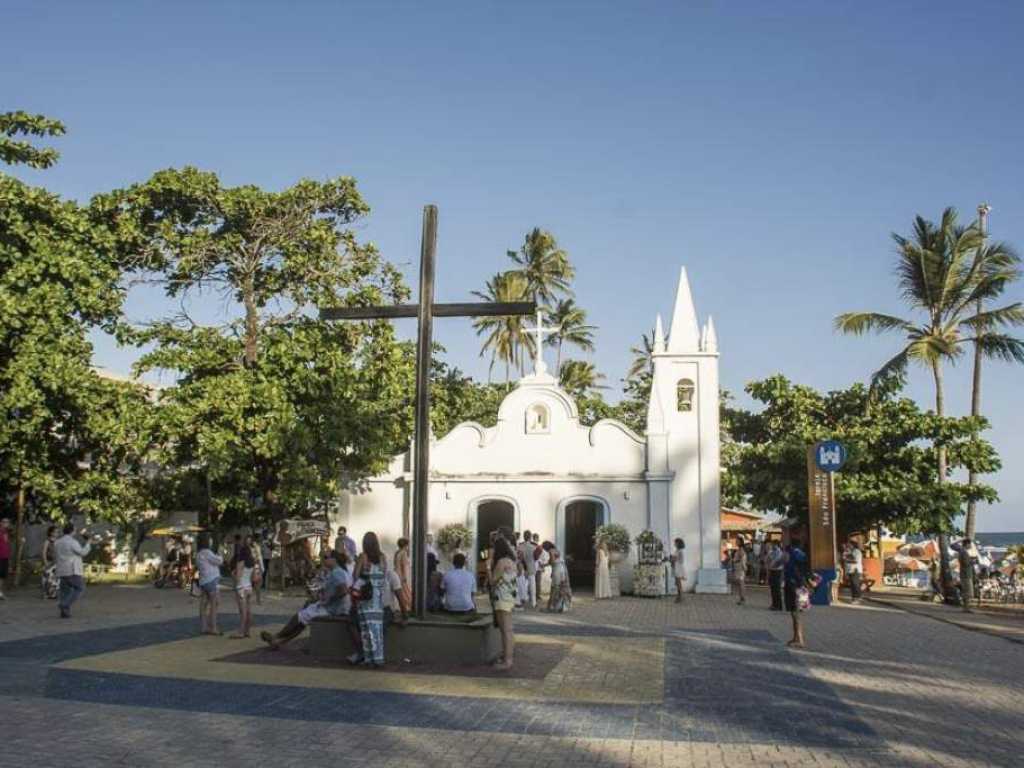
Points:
[683,468]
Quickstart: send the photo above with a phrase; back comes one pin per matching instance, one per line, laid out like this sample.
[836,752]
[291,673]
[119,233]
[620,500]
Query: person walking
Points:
[68,554]
[502,581]
[738,569]
[560,598]
[775,563]
[678,559]
[5,552]
[795,574]
[602,573]
[335,600]
[853,559]
[242,567]
[48,580]
[208,563]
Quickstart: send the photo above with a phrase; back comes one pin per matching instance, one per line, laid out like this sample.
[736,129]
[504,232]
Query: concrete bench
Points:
[437,639]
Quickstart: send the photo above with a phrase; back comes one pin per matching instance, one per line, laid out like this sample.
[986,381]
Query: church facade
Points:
[540,469]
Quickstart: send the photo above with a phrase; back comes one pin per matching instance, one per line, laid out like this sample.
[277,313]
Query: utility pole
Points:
[983,211]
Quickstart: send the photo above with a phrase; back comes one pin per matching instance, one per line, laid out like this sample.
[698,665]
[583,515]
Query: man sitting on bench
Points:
[458,586]
[334,601]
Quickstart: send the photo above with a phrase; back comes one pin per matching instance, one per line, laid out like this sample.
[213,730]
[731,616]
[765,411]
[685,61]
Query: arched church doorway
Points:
[492,514]
[582,516]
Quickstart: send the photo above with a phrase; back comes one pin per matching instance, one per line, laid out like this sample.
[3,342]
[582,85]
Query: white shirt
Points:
[394,583]
[855,563]
[209,566]
[68,554]
[459,585]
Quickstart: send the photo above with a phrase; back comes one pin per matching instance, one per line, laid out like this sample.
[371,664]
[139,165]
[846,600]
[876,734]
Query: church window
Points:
[684,395]
[538,419]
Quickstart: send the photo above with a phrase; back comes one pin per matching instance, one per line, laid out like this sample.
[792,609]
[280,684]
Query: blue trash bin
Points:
[823,594]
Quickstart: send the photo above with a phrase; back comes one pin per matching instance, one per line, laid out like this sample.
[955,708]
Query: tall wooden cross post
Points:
[425,312]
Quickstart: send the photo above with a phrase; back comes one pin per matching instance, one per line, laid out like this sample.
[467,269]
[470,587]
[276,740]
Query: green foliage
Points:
[20,123]
[613,536]
[570,322]
[276,408]
[890,476]
[456,398]
[544,266]
[454,536]
[59,272]
[580,378]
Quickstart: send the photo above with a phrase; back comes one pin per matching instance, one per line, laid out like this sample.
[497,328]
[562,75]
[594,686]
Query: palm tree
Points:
[939,272]
[506,336]
[571,322]
[643,357]
[998,259]
[545,266]
[579,377]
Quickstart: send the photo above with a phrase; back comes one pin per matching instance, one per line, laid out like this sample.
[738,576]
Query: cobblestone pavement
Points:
[1000,621]
[125,682]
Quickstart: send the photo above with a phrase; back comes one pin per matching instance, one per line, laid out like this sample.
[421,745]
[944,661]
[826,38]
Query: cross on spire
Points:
[538,332]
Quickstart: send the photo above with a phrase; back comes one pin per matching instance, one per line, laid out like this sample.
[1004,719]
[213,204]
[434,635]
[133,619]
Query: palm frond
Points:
[1000,346]
[858,323]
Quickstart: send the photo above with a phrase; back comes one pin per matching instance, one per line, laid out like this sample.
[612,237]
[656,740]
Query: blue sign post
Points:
[824,459]
[830,455]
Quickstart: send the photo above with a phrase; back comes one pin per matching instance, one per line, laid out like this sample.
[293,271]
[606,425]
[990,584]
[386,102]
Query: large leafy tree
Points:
[580,378]
[275,406]
[942,276]
[890,477]
[58,279]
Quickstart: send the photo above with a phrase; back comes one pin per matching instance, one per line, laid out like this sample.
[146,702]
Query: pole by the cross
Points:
[425,311]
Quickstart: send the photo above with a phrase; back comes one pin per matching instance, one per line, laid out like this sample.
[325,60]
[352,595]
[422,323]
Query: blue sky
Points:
[769,147]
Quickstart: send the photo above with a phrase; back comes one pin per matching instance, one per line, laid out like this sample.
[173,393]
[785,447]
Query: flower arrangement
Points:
[650,548]
[613,536]
[454,536]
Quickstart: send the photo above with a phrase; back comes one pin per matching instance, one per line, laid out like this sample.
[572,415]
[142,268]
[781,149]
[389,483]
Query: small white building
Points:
[539,469]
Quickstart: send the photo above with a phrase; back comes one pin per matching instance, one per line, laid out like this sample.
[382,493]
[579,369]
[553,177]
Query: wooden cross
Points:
[425,312]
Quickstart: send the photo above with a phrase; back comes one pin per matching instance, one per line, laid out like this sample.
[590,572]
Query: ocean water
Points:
[1000,539]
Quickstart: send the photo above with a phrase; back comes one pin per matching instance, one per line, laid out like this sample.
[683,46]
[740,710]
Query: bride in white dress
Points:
[602,579]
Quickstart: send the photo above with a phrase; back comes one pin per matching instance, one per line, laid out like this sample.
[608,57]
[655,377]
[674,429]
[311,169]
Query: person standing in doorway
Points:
[602,573]
[69,553]
[853,559]
[738,569]
[525,555]
[775,564]
[678,559]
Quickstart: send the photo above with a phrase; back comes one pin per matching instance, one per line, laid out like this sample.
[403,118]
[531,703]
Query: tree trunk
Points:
[972,477]
[558,361]
[945,575]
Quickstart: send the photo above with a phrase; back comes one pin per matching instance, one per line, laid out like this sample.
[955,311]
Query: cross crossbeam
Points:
[425,311]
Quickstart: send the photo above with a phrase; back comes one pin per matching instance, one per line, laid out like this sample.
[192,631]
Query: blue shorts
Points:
[210,587]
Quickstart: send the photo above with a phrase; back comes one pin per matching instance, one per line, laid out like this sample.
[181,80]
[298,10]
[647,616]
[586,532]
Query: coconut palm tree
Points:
[940,275]
[545,266]
[571,323]
[506,336]
[997,259]
[643,357]
[579,377]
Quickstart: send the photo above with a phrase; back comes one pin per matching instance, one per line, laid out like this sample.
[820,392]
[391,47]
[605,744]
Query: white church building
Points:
[540,469]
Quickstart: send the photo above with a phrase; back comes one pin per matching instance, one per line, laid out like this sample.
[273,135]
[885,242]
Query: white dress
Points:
[602,579]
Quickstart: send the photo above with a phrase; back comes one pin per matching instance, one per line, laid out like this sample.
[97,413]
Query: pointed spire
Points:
[710,337]
[659,337]
[683,336]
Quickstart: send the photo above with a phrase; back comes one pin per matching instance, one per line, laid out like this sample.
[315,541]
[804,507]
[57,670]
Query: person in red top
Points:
[5,552]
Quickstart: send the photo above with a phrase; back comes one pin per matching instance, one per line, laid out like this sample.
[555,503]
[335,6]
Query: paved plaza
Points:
[630,682]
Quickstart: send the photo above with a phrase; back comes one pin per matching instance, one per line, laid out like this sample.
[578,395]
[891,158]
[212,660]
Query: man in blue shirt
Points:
[795,578]
[334,601]
[458,586]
